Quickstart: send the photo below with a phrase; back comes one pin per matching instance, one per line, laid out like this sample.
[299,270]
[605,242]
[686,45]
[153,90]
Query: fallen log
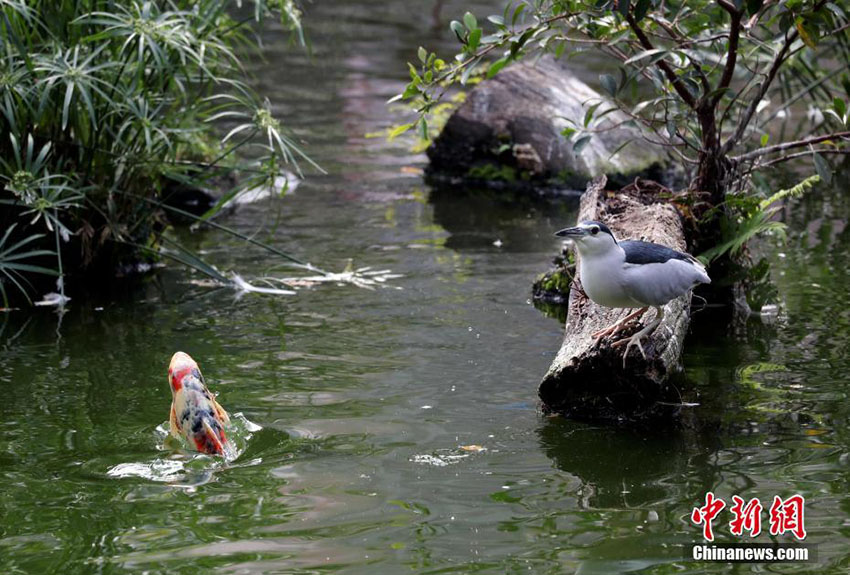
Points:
[587,379]
[508,132]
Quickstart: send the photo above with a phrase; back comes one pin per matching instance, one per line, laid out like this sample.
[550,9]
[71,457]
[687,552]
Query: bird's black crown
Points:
[602,227]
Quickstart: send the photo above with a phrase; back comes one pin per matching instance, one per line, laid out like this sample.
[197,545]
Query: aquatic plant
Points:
[108,106]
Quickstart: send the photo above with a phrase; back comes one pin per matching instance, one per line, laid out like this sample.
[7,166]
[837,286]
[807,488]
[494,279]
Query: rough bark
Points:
[587,379]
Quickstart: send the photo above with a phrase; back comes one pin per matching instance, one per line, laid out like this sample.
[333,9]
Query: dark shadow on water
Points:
[477,218]
[556,311]
[627,467]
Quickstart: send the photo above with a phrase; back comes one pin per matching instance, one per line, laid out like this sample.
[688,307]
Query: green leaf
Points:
[423,129]
[588,116]
[620,148]
[609,83]
[835,9]
[809,33]
[464,78]
[559,49]
[423,54]
[458,29]
[793,192]
[645,54]
[840,108]
[823,168]
[517,12]
[764,139]
[580,143]
[641,8]
[753,6]
[517,45]
[497,20]
[496,66]
[474,38]
[470,21]
[399,130]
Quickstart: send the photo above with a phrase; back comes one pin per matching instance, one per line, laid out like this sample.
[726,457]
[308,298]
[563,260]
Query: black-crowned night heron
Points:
[631,274]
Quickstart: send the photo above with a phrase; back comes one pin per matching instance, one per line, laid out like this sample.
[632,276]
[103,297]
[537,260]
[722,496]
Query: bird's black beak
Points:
[571,232]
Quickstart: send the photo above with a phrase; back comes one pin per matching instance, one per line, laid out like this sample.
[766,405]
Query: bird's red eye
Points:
[594,230]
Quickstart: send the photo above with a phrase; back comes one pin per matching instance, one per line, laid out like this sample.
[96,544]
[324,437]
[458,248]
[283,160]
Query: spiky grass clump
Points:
[102,104]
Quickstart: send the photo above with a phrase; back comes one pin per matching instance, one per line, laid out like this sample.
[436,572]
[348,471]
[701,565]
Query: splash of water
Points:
[184,467]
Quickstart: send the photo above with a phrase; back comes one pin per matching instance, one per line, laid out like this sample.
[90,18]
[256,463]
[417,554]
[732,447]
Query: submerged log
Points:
[587,379]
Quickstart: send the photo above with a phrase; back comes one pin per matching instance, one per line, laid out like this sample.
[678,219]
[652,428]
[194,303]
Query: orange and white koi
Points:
[195,414]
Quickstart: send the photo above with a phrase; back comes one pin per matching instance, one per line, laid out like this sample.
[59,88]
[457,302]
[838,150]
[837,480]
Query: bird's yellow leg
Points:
[619,325]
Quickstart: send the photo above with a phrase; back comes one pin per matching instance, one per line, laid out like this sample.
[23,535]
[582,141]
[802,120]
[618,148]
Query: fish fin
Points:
[174,425]
[219,411]
[207,441]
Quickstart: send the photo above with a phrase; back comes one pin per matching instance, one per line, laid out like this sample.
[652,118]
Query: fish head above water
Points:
[182,365]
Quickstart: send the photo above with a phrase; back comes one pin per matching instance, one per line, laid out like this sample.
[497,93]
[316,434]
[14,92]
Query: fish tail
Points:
[209,440]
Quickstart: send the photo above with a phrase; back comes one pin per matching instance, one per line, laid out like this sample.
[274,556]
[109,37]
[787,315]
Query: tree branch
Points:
[802,93]
[778,60]
[678,85]
[788,145]
[732,52]
[793,156]
[683,42]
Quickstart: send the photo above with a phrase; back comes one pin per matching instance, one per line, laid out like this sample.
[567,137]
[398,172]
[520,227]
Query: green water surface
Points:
[367,398]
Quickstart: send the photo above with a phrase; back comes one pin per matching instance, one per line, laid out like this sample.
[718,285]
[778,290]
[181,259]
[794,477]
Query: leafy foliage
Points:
[12,261]
[712,81]
[753,218]
[707,79]
[104,102]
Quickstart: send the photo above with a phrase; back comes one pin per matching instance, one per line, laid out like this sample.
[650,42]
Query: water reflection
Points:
[339,379]
[508,220]
[625,468]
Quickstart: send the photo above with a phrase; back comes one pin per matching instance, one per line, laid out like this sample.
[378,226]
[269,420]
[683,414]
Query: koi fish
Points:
[195,414]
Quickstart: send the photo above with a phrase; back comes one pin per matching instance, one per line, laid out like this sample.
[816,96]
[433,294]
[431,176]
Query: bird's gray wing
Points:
[658,283]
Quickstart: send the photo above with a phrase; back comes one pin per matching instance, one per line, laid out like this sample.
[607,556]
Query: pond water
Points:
[400,431]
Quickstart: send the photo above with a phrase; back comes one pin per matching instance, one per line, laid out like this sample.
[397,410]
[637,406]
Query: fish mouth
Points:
[181,359]
[181,365]
[575,232]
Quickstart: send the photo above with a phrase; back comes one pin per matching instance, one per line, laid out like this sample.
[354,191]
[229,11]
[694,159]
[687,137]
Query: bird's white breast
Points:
[602,279]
